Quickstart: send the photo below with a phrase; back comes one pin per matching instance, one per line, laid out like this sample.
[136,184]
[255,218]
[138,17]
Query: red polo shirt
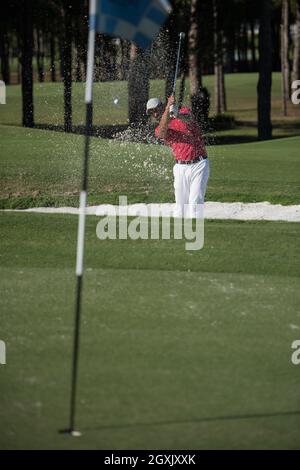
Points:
[185,139]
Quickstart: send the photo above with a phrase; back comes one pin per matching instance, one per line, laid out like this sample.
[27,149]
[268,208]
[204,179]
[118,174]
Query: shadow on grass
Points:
[230,139]
[276,124]
[132,134]
[105,132]
[199,420]
[239,139]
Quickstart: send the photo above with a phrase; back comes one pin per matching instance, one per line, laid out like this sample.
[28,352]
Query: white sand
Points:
[212,210]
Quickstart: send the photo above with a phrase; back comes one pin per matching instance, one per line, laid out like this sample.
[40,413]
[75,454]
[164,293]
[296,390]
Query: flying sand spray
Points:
[174,109]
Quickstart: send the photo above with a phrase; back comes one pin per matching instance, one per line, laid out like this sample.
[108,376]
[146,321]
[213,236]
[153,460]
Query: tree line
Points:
[46,40]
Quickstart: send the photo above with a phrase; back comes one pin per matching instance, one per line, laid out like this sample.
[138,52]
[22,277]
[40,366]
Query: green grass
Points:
[179,350]
[48,102]
[44,168]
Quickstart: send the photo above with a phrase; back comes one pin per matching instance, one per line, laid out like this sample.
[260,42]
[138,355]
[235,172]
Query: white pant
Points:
[190,183]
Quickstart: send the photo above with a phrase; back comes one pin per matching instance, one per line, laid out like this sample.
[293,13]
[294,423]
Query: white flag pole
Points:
[83,198]
[82,209]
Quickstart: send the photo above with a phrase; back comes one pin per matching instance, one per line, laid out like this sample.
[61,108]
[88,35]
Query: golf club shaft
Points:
[181,36]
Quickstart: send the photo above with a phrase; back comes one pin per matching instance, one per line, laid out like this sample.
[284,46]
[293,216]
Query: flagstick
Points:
[83,197]
[82,213]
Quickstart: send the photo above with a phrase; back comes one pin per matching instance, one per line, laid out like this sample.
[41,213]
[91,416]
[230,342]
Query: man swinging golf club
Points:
[180,131]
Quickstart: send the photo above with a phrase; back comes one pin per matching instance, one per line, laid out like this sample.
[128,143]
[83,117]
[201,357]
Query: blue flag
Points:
[136,20]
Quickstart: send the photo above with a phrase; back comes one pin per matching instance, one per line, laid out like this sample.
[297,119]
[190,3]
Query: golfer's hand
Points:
[171,100]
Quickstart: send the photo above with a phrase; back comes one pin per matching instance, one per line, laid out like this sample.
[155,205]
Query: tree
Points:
[276,15]
[220,92]
[176,22]
[296,56]
[80,24]
[265,72]
[4,52]
[8,19]
[26,27]
[252,45]
[198,95]
[67,64]
[52,57]
[285,67]
[138,84]
[171,37]
[40,54]
[124,45]
[195,75]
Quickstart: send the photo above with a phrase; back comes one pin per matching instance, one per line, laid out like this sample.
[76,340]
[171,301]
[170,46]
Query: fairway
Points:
[149,228]
[43,168]
[48,101]
[178,349]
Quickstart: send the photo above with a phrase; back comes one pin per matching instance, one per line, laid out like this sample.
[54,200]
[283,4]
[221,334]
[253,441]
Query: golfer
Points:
[180,131]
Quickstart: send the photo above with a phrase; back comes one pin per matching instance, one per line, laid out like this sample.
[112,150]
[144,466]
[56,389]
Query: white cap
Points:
[153,103]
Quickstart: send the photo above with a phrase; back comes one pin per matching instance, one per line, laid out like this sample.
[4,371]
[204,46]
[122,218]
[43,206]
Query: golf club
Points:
[181,38]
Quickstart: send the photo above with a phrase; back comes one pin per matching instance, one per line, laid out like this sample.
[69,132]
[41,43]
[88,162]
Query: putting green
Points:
[178,349]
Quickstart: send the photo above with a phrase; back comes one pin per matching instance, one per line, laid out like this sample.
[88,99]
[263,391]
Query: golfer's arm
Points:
[163,125]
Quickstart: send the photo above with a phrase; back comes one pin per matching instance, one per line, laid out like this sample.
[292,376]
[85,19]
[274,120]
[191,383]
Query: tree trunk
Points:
[223,91]
[113,62]
[199,97]
[220,98]
[52,58]
[239,58]
[265,72]
[296,57]
[26,61]
[19,54]
[19,71]
[276,61]
[78,40]
[171,43]
[78,65]
[245,44]
[253,49]
[138,85]
[124,60]
[195,75]
[231,51]
[99,59]
[67,67]
[218,102]
[285,69]
[39,55]
[4,51]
